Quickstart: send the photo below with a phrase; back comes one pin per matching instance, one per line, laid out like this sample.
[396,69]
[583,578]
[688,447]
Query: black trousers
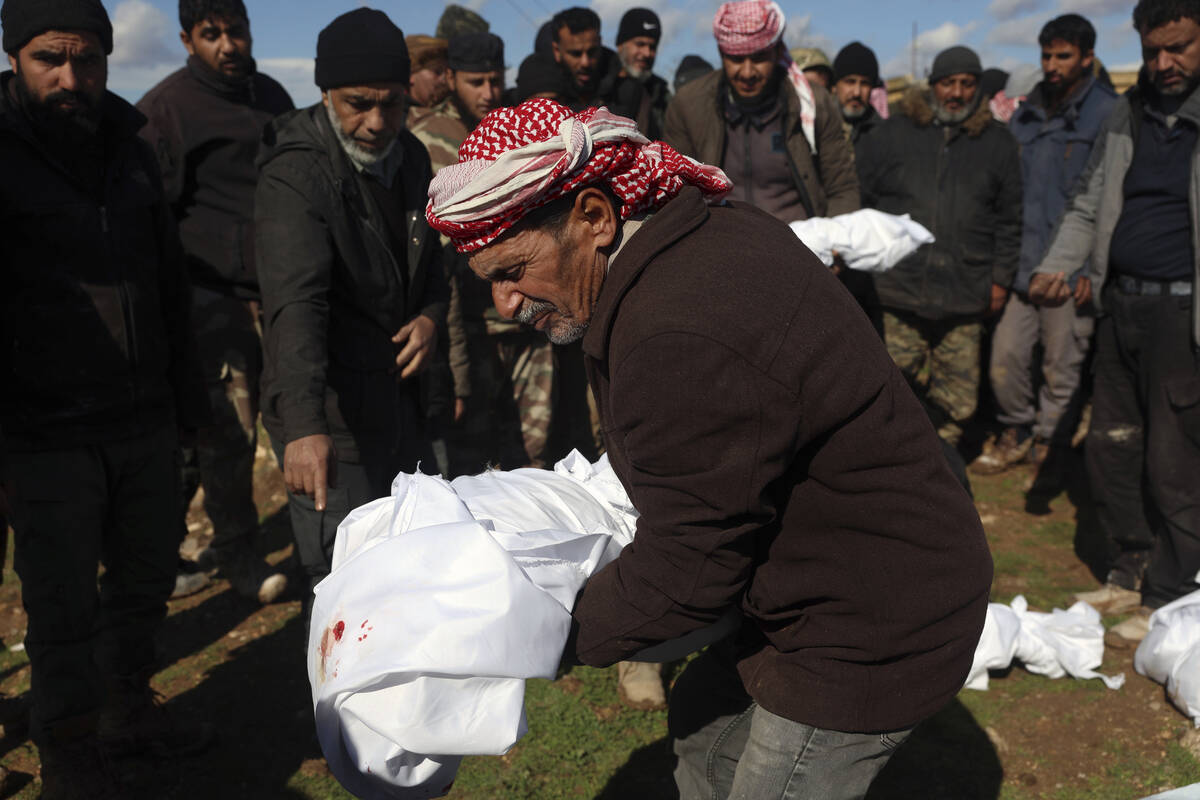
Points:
[1143,447]
[115,504]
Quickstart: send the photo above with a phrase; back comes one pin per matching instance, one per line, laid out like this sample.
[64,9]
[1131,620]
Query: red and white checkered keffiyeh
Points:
[518,159]
[743,27]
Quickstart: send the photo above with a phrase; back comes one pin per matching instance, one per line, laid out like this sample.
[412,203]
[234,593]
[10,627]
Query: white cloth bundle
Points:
[1170,653]
[443,599]
[867,240]
[1060,643]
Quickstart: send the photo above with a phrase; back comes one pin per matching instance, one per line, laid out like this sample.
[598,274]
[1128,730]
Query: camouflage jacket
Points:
[441,129]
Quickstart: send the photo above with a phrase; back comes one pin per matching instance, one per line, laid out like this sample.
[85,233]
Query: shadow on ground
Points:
[948,757]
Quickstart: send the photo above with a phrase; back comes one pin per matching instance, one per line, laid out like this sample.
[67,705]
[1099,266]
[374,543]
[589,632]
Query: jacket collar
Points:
[1145,93]
[1070,108]
[242,89]
[672,222]
[916,105]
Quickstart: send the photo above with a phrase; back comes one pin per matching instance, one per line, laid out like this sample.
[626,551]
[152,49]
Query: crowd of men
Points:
[175,271]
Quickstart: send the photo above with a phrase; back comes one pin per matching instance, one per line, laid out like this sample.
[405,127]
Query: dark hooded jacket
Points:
[337,286]
[206,131]
[963,183]
[95,333]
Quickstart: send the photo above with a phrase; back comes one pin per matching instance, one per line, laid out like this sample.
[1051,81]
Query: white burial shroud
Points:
[867,240]
[443,599]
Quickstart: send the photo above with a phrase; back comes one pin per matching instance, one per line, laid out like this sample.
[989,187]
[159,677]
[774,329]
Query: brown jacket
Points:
[781,464]
[695,126]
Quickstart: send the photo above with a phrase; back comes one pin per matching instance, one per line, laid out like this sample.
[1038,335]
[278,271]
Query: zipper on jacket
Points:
[748,168]
[126,308]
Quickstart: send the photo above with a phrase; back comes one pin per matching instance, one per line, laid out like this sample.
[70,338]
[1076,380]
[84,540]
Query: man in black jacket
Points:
[637,92]
[353,289]
[99,371]
[945,161]
[205,124]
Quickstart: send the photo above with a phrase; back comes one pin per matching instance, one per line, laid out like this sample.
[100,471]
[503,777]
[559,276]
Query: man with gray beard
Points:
[637,92]
[945,161]
[353,289]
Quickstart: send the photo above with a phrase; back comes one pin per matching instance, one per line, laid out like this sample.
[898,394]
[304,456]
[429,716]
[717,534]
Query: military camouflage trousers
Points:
[222,459]
[940,359]
[508,415]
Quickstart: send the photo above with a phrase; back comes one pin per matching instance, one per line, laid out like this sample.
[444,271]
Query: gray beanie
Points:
[954,60]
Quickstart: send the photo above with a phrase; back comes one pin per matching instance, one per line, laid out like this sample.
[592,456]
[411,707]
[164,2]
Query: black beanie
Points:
[856,59]
[992,81]
[954,60]
[361,46]
[476,52]
[540,74]
[639,22]
[25,19]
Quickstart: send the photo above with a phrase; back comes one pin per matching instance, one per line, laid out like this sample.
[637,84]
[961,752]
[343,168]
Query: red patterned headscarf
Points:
[747,26]
[518,159]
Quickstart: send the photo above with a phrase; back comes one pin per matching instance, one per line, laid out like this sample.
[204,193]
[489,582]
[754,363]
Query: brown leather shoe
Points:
[1001,453]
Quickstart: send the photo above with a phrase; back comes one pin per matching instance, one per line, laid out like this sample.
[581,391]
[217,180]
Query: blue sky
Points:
[1004,32]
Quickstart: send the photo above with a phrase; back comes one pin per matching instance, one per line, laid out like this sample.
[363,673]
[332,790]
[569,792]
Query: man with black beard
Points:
[100,375]
[1055,126]
[353,289]
[1134,220]
[945,161]
[205,124]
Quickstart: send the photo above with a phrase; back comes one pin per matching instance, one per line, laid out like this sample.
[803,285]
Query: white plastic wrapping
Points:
[1056,644]
[1170,653]
[867,239]
[443,599]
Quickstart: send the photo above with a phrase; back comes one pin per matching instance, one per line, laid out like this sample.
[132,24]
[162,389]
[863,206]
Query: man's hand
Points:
[1083,291]
[460,409]
[310,467]
[839,263]
[419,340]
[999,297]
[1051,290]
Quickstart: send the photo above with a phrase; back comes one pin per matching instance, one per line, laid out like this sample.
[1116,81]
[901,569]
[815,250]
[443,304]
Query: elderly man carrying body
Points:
[779,462]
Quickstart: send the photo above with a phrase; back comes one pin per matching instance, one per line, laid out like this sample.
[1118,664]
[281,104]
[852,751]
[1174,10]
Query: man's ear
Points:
[554,49]
[596,213]
[186,39]
[14,64]
[325,98]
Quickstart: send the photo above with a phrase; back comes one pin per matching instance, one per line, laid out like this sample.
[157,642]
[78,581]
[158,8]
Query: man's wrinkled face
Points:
[367,118]
[223,45]
[579,54]
[637,55]
[750,74]
[1171,53]
[430,85]
[1063,65]
[954,97]
[853,93]
[60,77]
[550,279]
[477,92]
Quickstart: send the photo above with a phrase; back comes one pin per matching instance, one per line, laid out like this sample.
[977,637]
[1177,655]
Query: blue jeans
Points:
[730,747]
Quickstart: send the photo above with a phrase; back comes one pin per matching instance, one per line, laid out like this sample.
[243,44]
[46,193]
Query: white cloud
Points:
[143,36]
[799,33]
[296,75]
[1095,8]
[1018,32]
[1007,9]
[929,44]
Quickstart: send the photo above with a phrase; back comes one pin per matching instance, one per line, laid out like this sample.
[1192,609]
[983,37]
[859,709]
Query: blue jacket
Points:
[1053,154]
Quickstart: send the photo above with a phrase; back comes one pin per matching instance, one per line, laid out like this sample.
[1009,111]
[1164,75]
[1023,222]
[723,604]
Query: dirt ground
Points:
[1027,737]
